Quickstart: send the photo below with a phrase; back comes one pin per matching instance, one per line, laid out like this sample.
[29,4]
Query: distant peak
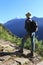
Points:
[34,17]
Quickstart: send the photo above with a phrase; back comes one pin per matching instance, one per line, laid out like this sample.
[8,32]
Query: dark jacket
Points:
[30,25]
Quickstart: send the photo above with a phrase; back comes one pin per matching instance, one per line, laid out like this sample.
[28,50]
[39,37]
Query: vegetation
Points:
[38,46]
[7,35]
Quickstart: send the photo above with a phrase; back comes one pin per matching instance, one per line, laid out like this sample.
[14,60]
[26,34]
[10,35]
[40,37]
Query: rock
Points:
[25,51]
[40,63]
[22,61]
[5,58]
[1,48]
[9,62]
[6,48]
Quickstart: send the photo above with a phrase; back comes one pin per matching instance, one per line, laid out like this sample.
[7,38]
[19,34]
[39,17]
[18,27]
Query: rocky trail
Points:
[10,56]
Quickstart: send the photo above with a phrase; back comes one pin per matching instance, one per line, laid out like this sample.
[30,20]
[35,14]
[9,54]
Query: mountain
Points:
[16,26]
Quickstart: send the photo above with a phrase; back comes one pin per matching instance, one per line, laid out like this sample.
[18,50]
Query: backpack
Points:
[30,26]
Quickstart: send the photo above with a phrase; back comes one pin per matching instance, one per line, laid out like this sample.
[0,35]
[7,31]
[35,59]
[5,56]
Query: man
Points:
[30,28]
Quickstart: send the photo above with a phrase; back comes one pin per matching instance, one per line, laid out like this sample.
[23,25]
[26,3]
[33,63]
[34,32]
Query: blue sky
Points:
[10,9]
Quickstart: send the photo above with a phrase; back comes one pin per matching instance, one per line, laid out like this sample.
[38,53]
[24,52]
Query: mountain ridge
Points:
[16,26]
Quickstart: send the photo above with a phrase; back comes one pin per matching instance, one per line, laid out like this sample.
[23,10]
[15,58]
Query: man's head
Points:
[28,15]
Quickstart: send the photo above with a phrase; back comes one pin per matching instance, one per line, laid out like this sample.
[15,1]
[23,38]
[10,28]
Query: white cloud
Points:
[1,22]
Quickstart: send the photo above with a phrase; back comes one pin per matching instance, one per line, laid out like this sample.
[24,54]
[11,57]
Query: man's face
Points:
[28,17]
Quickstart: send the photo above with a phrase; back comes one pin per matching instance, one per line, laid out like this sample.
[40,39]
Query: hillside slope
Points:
[7,35]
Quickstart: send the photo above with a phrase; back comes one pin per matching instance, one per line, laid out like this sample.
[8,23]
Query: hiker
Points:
[30,27]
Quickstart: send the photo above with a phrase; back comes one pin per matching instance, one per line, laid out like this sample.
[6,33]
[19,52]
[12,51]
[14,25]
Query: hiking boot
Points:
[20,51]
